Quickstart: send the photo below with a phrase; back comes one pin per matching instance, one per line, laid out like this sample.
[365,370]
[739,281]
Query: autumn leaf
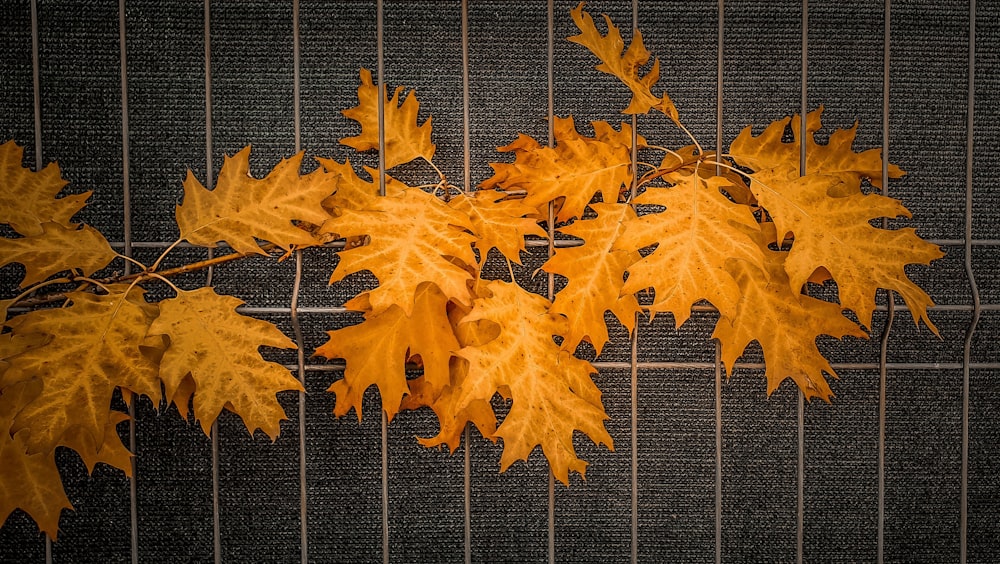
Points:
[404,139]
[377,349]
[695,236]
[574,170]
[92,348]
[414,238]
[498,223]
[30,482]
[351,191]
[786,325]
[28,199]
[218,348]
[774,161]
[595,271]
[242,208]
[552,392]
[111,452]
[56,249]
[625,66]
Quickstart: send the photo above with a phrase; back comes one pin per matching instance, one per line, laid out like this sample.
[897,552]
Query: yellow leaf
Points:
[112,452]
[242,208]
[552,391]
[595,271]
[57,248]
[92,348]
[351,191]
[574,170]
[786,325]
[498,223]
[773,160]
[28,199]
[377,349]
[697,233]
[404,139]
[30,482]
[218,348]
[624,66]
[413,237]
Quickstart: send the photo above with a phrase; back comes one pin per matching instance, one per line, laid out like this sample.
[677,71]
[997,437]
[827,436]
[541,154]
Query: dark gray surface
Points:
[253,85]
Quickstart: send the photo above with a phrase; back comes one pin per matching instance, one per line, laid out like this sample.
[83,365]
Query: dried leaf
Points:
[698,232]
[56,249]
[241,207]
[377,349]
[28,199]
[574,170]
[30,482]
[625,65]
[414,238]
[595,271]
[92,348]
[112,452]
[218,348]
[498,223]
[404,139]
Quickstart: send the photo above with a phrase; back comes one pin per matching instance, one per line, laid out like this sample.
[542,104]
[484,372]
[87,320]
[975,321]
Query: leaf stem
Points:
[34,288]
[133,261]
[163,255]
[697,145]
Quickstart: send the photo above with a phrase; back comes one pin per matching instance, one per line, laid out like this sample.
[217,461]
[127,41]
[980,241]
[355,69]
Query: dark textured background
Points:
[252,85]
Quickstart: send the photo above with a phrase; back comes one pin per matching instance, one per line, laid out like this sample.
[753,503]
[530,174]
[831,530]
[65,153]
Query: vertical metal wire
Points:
[634,341]
[976,305]
[550,81]
[380,32]
[466,187]
[890,297]
[37,95]
[209,184]
[800,402]
[127,251]
[719,92]
[294,306]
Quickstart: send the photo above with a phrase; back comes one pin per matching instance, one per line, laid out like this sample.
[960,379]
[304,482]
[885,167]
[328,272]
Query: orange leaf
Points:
[552,391]
[786,325]
[28,199]
[377,349]
[92,348]
[56,249]
[595,271]
[695,236]
[575,169]
[242,208]
[624,66]
[413,239]
[404,138]
[218,348]
[112,452]
[30,482]
[497,223]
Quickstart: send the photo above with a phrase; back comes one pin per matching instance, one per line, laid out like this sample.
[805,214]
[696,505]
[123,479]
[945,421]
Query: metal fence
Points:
[901,467]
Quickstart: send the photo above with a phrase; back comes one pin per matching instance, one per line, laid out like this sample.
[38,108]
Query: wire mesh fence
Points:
[900,467]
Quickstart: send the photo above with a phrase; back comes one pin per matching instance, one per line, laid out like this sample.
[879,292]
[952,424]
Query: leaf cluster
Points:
[653,231]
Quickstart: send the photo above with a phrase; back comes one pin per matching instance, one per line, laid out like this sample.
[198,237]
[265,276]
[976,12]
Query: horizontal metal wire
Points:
[338,366]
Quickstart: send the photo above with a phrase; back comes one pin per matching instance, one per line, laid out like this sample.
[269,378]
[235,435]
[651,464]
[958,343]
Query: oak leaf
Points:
[574,170]
[552,391]
[498,223]
[350,190]
[92,348]
[786,325]
[595,271]
[57,248]
[414,238]
[28,199]
[376,351]
[773,160]
[111,452]
[625,65]
[695,236]
[242,208]
[404,139]
[218,348]
[30,481]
